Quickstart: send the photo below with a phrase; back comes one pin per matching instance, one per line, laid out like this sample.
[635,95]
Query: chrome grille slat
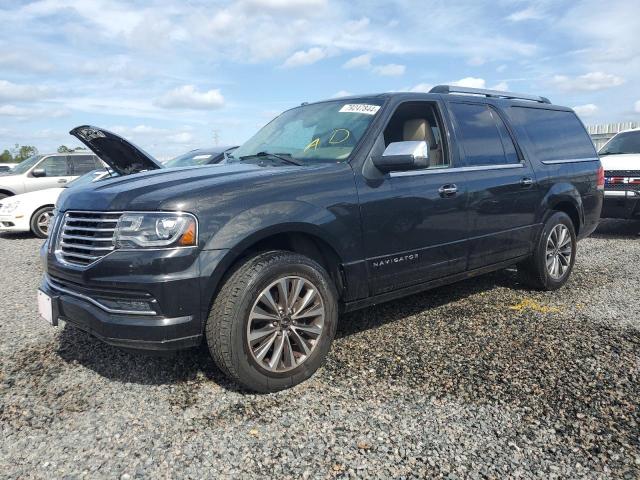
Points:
[85,247]
[85,237]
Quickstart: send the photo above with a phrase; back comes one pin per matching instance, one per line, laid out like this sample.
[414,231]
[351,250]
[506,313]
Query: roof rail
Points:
[488,93]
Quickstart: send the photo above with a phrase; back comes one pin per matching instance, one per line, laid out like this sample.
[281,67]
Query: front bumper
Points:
[619,204]
[136,299]
[11,223]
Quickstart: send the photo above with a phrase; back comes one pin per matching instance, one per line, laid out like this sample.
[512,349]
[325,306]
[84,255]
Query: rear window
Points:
[553,134]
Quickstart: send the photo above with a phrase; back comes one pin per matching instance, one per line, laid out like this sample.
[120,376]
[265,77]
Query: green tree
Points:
[23,152]
[6,157]
[64,149]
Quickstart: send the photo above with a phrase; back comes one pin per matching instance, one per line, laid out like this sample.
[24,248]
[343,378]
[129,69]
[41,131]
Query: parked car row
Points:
[44,178]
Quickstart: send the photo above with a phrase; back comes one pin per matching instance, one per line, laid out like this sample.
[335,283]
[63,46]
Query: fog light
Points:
[126,305]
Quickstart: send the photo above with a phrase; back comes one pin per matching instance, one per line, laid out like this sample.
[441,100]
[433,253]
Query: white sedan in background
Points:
[33,211]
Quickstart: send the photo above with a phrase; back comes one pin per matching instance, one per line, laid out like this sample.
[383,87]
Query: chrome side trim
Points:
[435,171]
[573,160]
[58,288]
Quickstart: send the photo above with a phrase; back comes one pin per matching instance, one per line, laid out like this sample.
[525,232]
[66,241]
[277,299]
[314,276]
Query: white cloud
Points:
[477,61]
[13,92]
[587,110]
[421,87]
[341,93]
[390,70]
[500,86]
[361,61]
[182,137]
[187,96]
[636,107]
[307,57]
[471,82]
[588,82]
[286,5]
[529,13]
[24,113]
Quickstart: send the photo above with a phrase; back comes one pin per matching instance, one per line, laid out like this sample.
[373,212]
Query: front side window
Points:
[321,132]
[55,166]
[483,135]
[626,142]
[418,121]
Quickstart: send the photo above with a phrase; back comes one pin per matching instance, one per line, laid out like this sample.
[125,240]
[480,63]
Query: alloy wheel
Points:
[559,249]
[285,324]
[44,221]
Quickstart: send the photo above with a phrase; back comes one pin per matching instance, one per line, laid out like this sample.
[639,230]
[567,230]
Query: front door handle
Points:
[448,190]
[62,180]
[526,182]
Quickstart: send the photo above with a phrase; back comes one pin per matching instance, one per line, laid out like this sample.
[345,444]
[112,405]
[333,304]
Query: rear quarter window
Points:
[553,134]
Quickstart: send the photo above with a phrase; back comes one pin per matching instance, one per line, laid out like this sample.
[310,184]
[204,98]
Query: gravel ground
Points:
[482,379]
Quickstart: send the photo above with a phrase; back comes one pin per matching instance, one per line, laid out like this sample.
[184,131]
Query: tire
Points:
[238,313]
[536,272]
[3,196]
[38,227]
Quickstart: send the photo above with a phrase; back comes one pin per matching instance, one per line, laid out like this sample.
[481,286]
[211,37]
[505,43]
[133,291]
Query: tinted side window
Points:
[55,166]
[554,134]
[81,164]
[483,135]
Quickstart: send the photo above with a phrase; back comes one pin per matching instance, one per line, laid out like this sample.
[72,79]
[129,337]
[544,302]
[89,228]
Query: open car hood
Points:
[122,156]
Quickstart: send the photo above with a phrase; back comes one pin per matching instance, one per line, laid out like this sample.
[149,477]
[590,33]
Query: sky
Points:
[174,75]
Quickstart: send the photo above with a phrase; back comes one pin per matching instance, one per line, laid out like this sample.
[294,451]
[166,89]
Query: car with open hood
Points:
[331,207]
[620,158]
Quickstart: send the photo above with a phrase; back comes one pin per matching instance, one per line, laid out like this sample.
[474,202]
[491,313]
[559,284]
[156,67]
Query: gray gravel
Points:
[482,379]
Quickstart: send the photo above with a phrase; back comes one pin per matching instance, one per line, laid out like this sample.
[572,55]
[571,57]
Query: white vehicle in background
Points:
[33,211]
[46,171]
[6,167]
[620,158]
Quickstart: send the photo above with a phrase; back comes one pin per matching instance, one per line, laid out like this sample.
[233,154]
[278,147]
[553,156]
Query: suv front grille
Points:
[84,237]
[622,180]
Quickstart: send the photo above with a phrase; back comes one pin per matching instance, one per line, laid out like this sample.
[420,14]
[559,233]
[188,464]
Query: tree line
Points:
[21,152]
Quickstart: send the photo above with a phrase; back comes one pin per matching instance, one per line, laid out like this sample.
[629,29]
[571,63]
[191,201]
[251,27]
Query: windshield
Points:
[321,132]
[192,159]
[25,165]
[628,142]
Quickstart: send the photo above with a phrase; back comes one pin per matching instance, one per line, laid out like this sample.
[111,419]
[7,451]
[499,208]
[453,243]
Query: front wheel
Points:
[41,221]
[552,262]
[273,321]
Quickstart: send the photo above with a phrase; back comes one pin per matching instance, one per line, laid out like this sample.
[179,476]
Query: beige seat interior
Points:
[419,129]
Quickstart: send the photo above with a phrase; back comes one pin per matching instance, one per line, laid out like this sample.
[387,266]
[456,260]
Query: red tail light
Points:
[600,184]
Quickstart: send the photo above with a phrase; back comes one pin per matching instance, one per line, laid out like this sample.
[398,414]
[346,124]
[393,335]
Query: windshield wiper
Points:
[285,157]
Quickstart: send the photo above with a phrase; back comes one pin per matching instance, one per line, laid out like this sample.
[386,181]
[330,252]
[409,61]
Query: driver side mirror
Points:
[38,172]
[401,156]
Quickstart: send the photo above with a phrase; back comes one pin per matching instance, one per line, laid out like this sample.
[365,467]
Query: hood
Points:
[625,161]
[121,155]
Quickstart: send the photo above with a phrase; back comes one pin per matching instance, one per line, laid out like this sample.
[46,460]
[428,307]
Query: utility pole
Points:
[216,138]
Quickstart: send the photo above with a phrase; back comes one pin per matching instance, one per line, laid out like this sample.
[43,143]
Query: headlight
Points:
[156,229]
[9,206]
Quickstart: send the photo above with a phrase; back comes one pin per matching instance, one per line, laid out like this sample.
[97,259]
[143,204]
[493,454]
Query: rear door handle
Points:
[448,190]
[526,182]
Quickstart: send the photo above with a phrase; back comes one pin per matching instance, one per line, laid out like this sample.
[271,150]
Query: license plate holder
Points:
[45,308]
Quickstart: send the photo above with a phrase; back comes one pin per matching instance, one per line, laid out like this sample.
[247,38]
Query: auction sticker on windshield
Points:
[360,108]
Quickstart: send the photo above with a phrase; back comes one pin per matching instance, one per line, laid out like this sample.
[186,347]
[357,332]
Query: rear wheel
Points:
[552,262]
[41,221]
[273,321]
[3,196]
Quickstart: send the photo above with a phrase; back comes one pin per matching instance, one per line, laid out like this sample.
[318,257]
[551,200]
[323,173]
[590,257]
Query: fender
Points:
[561,193]
[254,224]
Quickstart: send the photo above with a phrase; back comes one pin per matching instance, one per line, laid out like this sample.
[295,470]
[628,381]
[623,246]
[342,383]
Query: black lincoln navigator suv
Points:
[331,207]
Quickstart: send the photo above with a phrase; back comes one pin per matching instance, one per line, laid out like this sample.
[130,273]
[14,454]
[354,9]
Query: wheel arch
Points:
[565,198]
